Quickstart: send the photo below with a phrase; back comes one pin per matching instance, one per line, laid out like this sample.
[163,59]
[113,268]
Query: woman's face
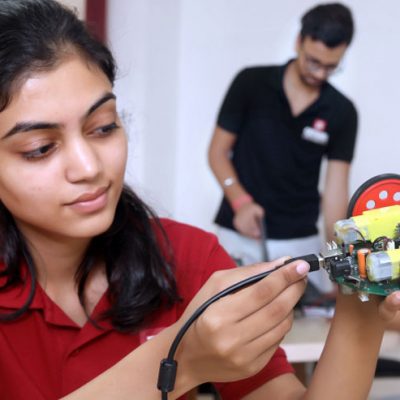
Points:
[62,153]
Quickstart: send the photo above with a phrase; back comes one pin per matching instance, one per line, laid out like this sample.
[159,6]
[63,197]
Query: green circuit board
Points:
[366,286]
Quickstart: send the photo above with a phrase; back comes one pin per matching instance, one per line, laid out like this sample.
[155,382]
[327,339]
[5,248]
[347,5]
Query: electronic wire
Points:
[168,366]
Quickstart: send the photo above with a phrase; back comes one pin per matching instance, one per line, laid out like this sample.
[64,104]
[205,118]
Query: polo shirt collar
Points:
[14,297]
[277,83]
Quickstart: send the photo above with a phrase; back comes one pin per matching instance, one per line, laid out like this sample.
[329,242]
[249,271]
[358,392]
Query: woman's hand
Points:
[383,309]
[234,338]
[352,344]
[389,307]
[237,335]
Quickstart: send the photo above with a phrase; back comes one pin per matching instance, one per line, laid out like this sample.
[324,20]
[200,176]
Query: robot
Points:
[365,256]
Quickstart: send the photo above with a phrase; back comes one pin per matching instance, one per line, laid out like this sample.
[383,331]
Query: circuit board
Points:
[365,256]
[363,286]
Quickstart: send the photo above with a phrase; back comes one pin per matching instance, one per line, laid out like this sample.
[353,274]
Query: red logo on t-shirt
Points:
[320,124]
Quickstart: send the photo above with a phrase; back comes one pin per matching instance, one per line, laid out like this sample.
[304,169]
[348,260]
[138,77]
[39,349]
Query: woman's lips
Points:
[90,202]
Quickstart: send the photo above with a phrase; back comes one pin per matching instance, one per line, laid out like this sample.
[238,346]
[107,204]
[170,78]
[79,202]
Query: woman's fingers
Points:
[258,352]
[272,314]
[253,333]
[233,359]
[248,300]
[256,309]
[389,307]
[223,279]
[220,280]
[236,335]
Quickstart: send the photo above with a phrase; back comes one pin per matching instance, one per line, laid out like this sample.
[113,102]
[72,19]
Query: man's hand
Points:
[247,220]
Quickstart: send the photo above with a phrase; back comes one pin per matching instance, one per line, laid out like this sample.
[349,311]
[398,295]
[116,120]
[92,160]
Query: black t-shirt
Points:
[277,156]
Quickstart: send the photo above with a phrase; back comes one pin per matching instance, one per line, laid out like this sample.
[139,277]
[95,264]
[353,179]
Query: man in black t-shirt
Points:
[275,126]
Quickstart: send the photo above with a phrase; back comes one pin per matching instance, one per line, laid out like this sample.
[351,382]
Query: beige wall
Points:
[77,4]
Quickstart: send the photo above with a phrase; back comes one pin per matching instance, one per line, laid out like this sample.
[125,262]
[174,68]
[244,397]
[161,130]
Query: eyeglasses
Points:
[314,65]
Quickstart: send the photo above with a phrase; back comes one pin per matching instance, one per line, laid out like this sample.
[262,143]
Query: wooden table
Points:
[305,342]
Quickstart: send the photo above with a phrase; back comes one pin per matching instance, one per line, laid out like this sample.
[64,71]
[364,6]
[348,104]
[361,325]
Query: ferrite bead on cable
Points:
[167,375]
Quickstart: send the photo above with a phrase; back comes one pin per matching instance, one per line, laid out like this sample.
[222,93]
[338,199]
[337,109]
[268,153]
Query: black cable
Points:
[168,366]
[263,240]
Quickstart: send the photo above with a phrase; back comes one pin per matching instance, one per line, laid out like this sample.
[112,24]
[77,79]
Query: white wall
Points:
[78,5]
[144,36]
[177,58]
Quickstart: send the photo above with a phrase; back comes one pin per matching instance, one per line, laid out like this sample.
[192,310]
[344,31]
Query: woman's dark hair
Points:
[35,35]
[331,24]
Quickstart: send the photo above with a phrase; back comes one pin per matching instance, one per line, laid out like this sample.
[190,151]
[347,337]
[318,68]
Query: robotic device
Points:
[365,257]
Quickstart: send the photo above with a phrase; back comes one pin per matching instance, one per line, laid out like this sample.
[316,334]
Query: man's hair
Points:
[331,24]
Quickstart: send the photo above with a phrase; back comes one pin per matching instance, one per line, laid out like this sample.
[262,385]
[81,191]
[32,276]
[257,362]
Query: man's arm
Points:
[247,212]
[335,196]
[219,153]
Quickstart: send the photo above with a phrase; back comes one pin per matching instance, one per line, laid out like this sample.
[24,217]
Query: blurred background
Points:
[176,59]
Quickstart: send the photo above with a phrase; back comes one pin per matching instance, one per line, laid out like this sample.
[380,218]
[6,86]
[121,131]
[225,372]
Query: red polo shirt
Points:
[45,355]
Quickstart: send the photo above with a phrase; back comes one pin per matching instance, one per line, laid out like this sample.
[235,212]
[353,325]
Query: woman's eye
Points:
[39,153]
[106,129]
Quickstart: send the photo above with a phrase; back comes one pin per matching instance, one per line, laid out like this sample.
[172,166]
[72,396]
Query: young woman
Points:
[88,273]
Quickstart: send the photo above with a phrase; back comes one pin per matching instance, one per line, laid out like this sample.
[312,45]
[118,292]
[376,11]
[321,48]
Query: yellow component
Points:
[383,265]
[371,224]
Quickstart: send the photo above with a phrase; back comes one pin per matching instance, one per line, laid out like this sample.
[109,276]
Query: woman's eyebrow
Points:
[31,126]
[101,101]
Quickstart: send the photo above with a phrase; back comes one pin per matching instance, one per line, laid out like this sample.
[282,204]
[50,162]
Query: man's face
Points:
[316,61]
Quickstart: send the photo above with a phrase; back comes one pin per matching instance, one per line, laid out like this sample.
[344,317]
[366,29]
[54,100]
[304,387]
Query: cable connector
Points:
[315,261]
[167,375]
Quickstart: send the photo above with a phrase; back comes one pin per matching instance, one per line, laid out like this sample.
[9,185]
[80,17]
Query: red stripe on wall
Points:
[96,18]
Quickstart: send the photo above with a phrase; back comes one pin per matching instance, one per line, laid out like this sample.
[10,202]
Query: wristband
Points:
[241,201]
[228,182]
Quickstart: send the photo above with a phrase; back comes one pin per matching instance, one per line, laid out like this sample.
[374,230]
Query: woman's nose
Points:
[82,161]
